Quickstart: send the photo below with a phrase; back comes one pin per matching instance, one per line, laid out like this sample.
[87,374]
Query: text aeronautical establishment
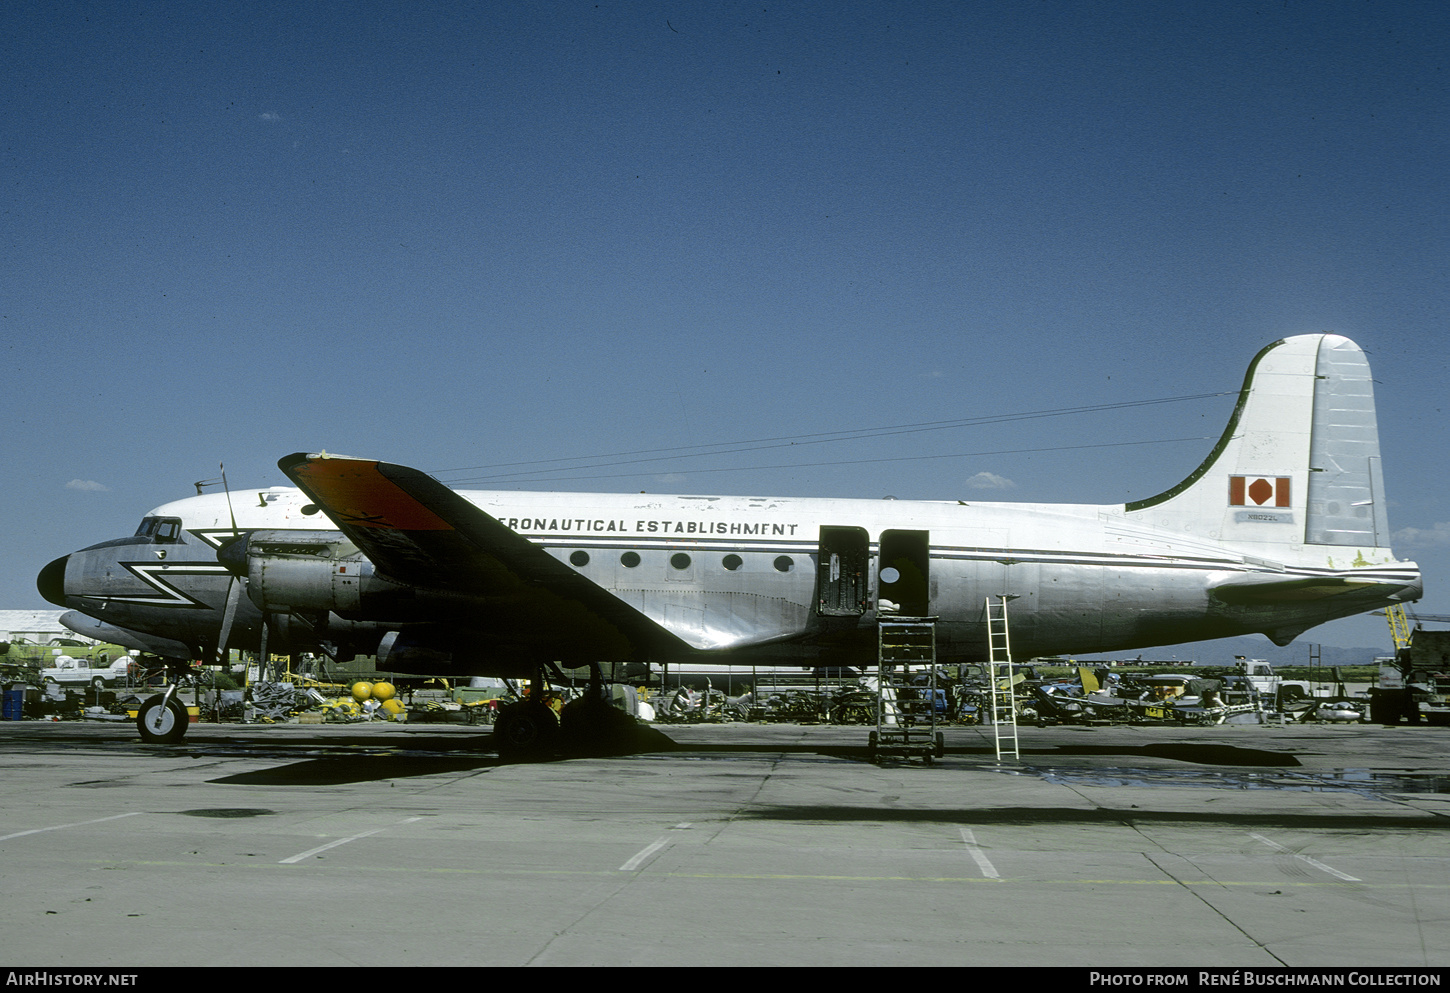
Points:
[581,525]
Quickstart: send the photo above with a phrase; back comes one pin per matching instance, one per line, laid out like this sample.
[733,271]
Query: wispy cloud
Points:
[269,115]
[1437,536]
[89,485]
[990,481]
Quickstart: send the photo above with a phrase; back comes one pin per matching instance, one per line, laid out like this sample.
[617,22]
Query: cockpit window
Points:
[161,530]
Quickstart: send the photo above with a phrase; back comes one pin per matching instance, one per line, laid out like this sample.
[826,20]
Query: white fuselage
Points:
[740,579]
[1082,578]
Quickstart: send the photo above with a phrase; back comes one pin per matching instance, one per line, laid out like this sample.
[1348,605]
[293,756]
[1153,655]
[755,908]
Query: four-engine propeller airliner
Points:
[1282,527]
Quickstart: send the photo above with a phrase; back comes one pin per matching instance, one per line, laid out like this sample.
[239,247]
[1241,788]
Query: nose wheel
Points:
[161,720]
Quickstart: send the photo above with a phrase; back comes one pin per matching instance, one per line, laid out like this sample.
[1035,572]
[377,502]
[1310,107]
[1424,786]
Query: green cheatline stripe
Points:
[1228,433]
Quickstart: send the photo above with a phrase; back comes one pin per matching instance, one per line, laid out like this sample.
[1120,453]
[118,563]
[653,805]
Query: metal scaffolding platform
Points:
[907,699]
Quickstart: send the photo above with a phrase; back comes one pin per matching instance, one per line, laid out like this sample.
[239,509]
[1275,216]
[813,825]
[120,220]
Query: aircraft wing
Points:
[419,532]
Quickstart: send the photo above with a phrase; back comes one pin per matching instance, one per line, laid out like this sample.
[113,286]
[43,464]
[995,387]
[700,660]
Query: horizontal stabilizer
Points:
[1287,590]
[1399,582]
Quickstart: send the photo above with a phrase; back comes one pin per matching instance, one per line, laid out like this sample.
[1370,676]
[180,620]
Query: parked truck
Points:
[97,673]
[1414,683]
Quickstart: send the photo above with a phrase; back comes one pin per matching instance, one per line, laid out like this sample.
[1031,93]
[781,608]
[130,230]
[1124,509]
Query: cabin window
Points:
[680,561]
[732,562]
[629,559]
[784,563]
[579,559]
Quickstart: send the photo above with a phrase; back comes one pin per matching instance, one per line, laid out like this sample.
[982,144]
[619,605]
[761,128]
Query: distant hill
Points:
[1222,652]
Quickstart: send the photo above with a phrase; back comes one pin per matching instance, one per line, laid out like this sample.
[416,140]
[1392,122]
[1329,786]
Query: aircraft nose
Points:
[51,581]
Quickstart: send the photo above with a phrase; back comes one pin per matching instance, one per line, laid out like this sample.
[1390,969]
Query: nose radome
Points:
[51,581]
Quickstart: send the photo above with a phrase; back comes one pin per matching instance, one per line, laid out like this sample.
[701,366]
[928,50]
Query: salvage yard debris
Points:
[1248,693]
[1057,693]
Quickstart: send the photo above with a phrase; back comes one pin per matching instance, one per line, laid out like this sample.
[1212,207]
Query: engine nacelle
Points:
[339,637]
[310,572]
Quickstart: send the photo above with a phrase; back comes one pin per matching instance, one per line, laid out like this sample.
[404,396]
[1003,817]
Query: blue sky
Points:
[462,236]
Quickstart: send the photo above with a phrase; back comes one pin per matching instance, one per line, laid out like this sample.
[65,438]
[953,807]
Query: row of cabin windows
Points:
[680,561]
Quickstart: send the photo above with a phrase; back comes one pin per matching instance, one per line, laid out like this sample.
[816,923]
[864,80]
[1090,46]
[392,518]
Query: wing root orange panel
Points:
[355,492]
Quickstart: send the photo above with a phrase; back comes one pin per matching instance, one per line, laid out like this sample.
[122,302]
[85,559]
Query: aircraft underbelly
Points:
[713,621]
[1146,606]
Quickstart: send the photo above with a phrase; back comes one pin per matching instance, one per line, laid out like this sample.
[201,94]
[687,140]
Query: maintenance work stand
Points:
[907,701]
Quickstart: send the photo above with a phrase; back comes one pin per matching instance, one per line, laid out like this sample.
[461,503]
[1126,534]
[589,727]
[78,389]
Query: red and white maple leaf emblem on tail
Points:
[1258,491]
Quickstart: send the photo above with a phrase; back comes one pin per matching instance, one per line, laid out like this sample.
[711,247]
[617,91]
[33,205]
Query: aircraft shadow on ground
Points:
[422,756]
[341,770]
[1206,754]
[1068,816]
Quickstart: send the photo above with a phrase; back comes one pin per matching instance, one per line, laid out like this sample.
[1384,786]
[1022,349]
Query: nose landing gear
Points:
[162,720]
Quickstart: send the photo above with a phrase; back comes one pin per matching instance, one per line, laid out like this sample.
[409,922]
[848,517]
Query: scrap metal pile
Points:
[835,699]
[962,694]
[363,701]
[1095,696]
[1207,697]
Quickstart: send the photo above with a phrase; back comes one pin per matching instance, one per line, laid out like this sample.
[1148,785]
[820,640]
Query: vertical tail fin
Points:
[1298,466]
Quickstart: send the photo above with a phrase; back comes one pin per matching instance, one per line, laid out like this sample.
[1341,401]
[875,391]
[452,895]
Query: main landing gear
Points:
[526,730]
[531,730]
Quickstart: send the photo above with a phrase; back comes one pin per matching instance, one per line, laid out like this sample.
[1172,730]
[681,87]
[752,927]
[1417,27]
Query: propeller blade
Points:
[234,593]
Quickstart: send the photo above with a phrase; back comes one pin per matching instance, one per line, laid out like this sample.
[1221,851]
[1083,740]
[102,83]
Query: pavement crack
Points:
[1221,915]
